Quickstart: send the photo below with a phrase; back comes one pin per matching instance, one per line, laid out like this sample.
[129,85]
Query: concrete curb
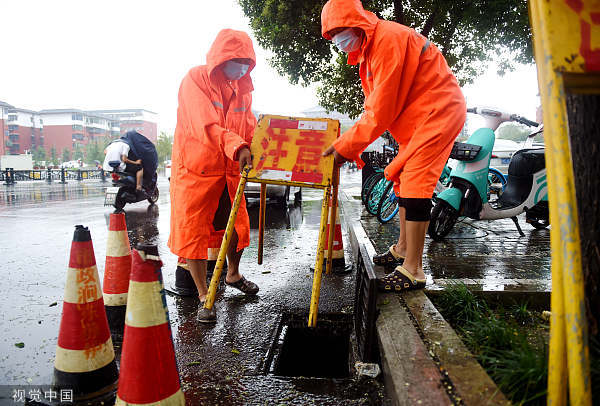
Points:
[423,359]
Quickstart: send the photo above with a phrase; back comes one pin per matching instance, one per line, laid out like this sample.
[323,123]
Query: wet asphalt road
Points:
[222,364]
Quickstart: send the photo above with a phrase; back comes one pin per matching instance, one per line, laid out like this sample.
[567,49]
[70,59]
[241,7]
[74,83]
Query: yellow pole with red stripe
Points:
[85,358]
[149,374]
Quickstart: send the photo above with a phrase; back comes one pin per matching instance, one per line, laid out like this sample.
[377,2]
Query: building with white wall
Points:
[24,130]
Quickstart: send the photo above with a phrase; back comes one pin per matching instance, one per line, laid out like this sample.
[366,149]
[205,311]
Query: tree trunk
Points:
[430,22]
[584,131]
[398,12]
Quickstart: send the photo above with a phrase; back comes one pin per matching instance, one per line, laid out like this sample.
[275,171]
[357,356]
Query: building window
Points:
[77,117]
[13,127]
[41,122]
[76,136]
[77,127]
[12,117]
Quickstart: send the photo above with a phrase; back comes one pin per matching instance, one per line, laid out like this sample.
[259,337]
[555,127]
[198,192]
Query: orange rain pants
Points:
[409,90]
[214,121]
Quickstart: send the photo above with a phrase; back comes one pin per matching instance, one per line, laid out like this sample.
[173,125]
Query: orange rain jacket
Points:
[214,121]
[409,90]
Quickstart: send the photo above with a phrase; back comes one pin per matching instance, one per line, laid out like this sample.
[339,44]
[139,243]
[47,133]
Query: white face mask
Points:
[234,70]
[347,40]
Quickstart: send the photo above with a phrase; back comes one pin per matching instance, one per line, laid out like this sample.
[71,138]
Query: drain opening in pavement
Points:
[319,352]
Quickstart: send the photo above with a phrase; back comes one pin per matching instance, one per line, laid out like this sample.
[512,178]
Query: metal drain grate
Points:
[365,308]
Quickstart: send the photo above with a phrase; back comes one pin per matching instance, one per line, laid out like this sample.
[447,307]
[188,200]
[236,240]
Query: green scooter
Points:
[468,193]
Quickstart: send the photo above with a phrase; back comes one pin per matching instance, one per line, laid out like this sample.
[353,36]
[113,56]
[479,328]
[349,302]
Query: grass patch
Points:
[510,343]
[460,305]
[506,342]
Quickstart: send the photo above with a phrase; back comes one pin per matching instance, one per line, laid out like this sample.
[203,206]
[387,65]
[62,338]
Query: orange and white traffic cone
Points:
[116,274]
[338,261]
[184,283]
[85,358]
[148,368]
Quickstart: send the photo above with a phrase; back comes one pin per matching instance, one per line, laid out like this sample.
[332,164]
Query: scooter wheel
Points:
[119,204]
[154,197]
[443,218]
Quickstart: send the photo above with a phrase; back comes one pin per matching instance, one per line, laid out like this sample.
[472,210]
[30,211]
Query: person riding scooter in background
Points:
[119,150]
[410,91]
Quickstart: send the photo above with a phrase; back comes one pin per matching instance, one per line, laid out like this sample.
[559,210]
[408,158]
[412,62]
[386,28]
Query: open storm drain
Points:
[319,352]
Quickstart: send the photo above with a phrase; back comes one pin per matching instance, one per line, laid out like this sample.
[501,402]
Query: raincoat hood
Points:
[348,13]
[231,44]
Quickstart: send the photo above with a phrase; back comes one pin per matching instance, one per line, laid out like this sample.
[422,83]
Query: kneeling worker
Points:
[215,125]
[410,91]
[118,150]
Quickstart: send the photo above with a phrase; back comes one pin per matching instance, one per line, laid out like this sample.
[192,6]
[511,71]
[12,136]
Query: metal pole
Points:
[49,175]
[62,176]
[332,217]
[214,282]
[261,221]
[316,288]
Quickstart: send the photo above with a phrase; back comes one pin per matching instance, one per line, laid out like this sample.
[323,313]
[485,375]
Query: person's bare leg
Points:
[198,272]
[415,242]
[138,179]
[233,258]
[400,247]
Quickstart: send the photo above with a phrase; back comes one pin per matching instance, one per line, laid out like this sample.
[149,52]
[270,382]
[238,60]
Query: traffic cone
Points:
[85,358]
[116,274]
[338,261]
[148,367]
[184,283]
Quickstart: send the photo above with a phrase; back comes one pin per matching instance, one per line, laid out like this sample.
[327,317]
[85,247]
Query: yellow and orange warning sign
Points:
[288,150]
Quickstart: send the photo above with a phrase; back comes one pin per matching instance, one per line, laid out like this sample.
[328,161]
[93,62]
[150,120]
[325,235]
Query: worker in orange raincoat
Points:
[214,129]
[410,91]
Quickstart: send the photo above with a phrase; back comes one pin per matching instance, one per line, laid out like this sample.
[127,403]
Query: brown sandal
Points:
[246,286]
[389,258]
[400,280]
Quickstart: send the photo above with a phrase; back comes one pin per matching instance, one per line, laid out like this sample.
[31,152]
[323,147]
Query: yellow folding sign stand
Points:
[287,151]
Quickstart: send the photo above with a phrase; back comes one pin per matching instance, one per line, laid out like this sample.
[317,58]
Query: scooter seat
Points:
[527,162]
[516,191]
[523,165]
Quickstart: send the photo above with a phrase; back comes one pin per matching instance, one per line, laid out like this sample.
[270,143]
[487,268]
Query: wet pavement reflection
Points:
[220,364]
[487,255]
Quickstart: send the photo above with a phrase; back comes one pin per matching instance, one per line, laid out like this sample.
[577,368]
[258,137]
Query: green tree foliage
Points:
[78,152]
[469,33]
[94,151]
[38,155]
[513,131]
[164,146]
[53,155]
[66,155]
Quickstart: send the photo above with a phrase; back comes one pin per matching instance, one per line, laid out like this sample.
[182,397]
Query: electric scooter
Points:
[389,203]
[124,191]
[469,190]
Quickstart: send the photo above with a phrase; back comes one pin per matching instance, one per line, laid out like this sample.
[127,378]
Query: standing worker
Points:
[410,91]
[215,125]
